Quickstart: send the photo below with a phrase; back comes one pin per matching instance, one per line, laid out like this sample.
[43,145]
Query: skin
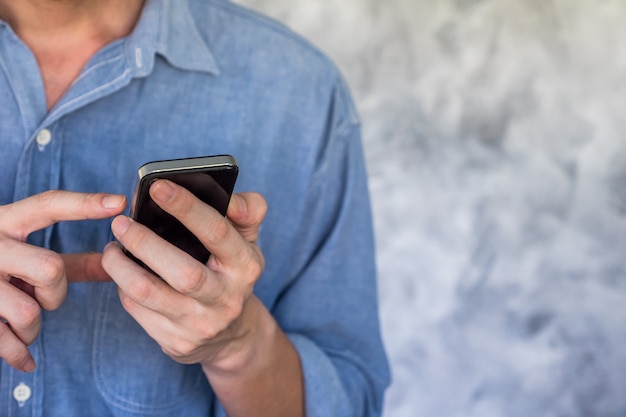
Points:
[206,314]
[64,34]
[32,278]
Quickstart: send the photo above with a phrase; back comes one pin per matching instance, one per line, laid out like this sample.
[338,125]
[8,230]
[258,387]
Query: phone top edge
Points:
[187,164]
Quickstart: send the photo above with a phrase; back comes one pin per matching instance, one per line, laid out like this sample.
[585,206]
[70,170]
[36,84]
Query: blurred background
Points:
[494,133]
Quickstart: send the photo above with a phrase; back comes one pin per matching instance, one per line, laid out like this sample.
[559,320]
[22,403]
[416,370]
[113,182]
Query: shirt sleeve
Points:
[330,310]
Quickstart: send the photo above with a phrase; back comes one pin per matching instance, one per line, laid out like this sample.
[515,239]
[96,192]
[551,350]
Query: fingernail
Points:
[120,225]
[113,201]
[162,191]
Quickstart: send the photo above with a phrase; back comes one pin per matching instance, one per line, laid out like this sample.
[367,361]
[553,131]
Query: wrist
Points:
[255,331]
[258,373]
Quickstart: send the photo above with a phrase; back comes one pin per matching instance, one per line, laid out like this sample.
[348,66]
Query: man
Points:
[93,89]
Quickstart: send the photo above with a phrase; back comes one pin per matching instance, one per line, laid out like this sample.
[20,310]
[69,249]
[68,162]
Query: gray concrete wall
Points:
[494,132]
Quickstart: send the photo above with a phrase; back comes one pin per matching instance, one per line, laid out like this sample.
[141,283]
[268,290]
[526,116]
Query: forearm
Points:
[260,375]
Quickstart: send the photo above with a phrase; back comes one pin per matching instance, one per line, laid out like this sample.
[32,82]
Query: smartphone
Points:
[210,178]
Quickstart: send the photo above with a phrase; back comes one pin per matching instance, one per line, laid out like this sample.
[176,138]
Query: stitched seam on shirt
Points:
[114,399]
[90,93]
[96,66]
[340,134]
[269,24]
[9,384]
[341,138]
[36,390]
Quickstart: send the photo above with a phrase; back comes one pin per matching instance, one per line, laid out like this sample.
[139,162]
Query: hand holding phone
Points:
[174,301]
[210,178]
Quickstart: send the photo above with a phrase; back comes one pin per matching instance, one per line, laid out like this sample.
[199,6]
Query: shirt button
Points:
[21,393]
[43,137]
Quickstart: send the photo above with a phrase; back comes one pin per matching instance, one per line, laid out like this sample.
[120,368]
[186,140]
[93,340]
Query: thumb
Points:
[84,267]
[246,212]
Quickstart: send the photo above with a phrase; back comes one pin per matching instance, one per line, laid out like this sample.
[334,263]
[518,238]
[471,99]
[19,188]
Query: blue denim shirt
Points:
[198,77]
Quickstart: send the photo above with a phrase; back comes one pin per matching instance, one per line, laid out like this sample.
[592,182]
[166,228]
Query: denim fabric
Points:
[199,77]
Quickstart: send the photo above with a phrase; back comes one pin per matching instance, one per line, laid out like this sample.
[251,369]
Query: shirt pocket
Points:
[133,374]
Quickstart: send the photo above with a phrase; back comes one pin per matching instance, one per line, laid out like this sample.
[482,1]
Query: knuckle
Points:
[46,200]
[214,263]
[47,197]
[219,230]
[183,200]
[232,310]
[139,290]
[206,329]
[91,204]
[126,301]
[11,350]
[254,269]
[252,265]
[203,328]
[192,279]
[181,348]
[28,314]
[135,238]
[52,268]
[207,333]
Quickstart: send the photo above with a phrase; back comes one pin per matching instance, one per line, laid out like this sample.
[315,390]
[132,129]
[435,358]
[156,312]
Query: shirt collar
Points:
[159,32]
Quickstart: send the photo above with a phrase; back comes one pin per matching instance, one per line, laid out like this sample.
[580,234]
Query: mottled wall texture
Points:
[494,132]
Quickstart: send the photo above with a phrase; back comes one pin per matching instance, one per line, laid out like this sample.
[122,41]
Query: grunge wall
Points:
[495,138]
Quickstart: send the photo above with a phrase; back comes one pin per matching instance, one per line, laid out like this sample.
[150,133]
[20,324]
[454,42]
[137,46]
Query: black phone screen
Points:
[211,184]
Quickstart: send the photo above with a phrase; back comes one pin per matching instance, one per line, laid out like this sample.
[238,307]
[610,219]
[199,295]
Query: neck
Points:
[38,20]
[64,34]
